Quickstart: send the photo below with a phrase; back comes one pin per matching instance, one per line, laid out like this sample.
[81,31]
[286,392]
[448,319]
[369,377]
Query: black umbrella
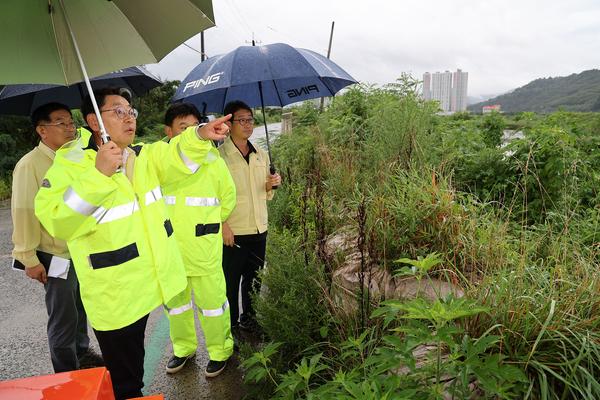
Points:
[23,99]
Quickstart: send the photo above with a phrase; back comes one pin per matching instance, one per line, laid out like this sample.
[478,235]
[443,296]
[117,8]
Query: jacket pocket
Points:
[114,257]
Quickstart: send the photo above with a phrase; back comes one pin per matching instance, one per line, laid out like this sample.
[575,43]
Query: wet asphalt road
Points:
[24,347]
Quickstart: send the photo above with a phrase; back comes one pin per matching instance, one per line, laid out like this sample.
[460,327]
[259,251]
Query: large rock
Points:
[380,283]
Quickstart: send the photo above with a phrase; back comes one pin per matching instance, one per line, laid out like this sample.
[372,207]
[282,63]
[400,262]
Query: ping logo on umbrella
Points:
[304,90]
[209,79]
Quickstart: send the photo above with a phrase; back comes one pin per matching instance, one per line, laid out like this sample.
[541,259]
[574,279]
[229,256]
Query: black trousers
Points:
[123,353]
[67,323]
[243,263]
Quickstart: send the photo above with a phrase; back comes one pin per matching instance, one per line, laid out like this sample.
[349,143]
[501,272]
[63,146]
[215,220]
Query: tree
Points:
[493,129]
[152,107]
[16,139]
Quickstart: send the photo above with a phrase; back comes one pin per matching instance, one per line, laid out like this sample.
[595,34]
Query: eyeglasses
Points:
[63,125]
[123,112]
[244,121]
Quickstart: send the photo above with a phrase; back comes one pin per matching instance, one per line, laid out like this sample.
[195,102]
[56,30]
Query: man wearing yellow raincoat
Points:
[105,201]
[197,206]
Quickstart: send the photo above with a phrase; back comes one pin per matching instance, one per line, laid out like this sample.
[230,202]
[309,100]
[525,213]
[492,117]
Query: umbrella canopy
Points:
[59,41]
[23,99]
[287,75]
[37,46]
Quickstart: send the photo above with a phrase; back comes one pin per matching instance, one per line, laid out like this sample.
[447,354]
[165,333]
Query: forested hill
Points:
[576,92]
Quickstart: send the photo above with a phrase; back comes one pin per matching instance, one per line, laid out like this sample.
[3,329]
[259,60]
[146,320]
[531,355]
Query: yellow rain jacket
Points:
[117,228]
[197,206]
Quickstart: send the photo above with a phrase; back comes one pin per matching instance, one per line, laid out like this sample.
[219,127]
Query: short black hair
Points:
[100,95]
[236,105]
[181,110]
[42,113]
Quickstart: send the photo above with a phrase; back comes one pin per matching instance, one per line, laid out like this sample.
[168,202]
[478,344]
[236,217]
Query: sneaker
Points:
[90,359]
[214,368]
[176,363]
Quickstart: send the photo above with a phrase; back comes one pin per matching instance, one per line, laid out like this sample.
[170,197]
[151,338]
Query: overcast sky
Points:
[501,44]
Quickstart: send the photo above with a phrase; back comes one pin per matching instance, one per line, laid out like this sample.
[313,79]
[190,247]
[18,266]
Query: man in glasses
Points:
[105,200]
[245,230]
[43,257]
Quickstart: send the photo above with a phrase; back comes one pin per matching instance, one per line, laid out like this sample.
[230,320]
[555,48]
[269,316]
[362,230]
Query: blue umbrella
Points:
[23,99]
[287,75]
[271,75]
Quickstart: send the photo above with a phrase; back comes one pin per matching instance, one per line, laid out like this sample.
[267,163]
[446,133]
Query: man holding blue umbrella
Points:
[245,230]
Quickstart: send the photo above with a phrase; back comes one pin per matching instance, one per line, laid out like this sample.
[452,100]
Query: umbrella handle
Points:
[272,170]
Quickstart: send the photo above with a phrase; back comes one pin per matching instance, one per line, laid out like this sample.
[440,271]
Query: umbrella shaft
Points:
[262,105]
[103,134]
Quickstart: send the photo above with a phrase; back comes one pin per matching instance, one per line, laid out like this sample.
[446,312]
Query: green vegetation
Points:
[152,107]
[16,139]
[377,182]
[416,256]
[576,92]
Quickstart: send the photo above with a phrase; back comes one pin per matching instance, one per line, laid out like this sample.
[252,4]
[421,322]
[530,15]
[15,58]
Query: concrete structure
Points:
[459,91]
[286,122]
[427,86]
[441,88]
[449,88]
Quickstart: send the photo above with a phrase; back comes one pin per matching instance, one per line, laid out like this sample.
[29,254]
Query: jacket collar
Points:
[91,144]
[231,148]
[46,150]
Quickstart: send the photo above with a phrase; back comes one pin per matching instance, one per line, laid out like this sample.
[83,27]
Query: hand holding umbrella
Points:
[273,181]
[109,158]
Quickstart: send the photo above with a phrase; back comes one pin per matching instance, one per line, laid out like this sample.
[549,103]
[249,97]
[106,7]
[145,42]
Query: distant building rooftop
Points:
[490,109]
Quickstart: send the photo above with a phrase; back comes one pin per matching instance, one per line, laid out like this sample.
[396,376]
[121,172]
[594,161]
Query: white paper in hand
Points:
[59,267]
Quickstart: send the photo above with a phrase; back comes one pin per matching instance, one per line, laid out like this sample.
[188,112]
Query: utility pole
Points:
[253,42]
[330,39]
[328,55]
[202,53]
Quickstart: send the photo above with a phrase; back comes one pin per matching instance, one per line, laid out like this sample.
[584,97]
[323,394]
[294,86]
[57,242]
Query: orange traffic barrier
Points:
[84,384]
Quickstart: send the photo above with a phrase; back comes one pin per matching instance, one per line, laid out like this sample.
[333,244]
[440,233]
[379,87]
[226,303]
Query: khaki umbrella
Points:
[66,41]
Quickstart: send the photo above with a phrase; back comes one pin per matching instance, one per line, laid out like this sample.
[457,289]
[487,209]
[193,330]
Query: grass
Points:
[518,233]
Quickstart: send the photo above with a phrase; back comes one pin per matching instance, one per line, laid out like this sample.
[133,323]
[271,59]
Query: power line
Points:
[239,16]
[233,27]
[197,51]
[295,39]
